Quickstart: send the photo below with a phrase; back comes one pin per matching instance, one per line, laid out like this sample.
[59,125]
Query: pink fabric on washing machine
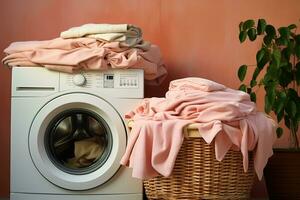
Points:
[71,55]
[222,114]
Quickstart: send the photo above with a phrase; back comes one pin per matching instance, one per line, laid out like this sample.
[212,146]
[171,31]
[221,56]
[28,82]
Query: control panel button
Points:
[79,79]
[128,81]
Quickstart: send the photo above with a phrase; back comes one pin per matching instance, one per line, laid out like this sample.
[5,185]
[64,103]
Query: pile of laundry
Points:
[224,117]
[91,47]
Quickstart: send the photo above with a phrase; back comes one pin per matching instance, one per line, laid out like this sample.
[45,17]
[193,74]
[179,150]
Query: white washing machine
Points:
[68,134]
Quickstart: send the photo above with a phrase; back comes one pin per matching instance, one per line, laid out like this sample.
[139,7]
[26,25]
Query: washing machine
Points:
[68,134]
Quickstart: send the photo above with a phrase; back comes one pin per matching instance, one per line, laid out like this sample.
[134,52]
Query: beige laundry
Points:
[86,152]
[128,35]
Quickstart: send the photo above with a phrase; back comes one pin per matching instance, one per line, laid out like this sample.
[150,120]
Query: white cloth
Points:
[127,35]
[88,29]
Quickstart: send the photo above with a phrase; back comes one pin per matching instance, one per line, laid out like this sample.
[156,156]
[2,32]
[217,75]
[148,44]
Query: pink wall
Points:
[197,38]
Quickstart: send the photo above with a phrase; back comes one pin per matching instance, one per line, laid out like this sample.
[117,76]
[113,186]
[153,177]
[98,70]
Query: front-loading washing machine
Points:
[68,134]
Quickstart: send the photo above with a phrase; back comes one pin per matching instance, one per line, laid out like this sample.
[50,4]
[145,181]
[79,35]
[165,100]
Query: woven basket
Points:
[198,175]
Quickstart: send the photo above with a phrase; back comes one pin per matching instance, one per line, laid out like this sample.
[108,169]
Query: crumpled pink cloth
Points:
[223,115]
[71,55]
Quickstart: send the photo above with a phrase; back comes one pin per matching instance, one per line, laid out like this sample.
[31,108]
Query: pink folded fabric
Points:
[71,55]
[223,115]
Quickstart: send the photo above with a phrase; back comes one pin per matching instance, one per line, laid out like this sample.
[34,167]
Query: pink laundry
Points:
[71,55]
[223,115]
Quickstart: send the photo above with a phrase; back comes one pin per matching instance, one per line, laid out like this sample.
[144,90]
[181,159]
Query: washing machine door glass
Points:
[76,141]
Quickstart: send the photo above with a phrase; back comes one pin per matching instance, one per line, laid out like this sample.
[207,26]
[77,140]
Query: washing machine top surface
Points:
[116,83]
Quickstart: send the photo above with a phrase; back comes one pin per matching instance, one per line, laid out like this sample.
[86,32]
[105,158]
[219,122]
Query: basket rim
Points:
[189,131]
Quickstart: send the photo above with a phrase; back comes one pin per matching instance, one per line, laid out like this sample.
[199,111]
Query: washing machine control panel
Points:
[115,80]
[117,83]
[109,79]
[122,80]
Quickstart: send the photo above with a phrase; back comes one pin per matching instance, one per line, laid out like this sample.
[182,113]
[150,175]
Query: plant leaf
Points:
[267,40]
[260,54]
[298,118]
[298,73]
[286,53]
[242,72]
[292,26]
[251,34]
[248,24]
[261,26]
[291,108]
[280,115]
[276,56]
[253,83]
[279,132]
[272,73]
[282,41]
[242,36]
[291,44]
[282,96]
[253,97]
[270,95]
[271,31]
[281,101]
[241,26]
[297,38]
[297,50]
[285,75]
[243,88]
[298,112]
[265,59]
[284,32]
[256,73]
[287,121]
[292,94]
[268,106]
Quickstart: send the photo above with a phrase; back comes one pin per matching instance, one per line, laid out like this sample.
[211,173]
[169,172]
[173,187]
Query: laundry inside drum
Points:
[78,141]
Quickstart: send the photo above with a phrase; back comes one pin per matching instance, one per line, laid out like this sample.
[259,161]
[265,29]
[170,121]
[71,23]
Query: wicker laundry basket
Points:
[198,175]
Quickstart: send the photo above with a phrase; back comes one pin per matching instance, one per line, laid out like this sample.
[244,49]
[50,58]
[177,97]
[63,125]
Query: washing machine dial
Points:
[79,79]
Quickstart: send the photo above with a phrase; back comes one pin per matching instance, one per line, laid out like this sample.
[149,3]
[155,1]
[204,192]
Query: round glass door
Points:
[76,141]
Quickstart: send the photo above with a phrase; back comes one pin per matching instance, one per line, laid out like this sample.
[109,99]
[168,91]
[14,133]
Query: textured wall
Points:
[197,37]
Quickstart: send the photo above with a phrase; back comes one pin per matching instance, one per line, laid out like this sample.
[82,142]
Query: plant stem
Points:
[294,73]
[294,137]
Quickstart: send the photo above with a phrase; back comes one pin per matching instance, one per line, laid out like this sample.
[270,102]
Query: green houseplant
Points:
[277,70]
[278,66]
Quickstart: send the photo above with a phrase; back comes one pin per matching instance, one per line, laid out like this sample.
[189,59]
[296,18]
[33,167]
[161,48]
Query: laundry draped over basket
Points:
[221,114]
[85,48]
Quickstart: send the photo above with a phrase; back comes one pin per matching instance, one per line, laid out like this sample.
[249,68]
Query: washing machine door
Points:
[76,141]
